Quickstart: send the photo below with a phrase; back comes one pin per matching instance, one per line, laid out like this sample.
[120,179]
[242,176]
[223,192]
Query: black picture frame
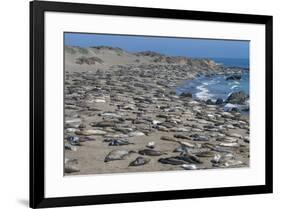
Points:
[37,195]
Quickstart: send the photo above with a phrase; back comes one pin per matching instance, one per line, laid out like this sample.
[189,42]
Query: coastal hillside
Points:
[79,59]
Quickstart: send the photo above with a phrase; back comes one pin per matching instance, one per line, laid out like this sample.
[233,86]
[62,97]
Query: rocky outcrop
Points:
[219,101]
[239,97]
[186,94]
[234,77]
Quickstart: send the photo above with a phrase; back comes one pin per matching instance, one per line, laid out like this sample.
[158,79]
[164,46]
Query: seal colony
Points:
[122,114]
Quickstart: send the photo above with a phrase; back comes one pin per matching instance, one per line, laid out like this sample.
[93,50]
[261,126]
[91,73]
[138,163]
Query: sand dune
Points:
[115,56]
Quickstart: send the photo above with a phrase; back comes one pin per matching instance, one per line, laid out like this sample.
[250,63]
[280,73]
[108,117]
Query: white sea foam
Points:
[229,94]
[228,107]
[203,94]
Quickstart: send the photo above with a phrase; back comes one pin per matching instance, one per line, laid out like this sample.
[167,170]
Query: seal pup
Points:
[140,161]
[117,155]
[151,152]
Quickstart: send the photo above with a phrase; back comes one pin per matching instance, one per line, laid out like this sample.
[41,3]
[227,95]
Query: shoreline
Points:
[204,88]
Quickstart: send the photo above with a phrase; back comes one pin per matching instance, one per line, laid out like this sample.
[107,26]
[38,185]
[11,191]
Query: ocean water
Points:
[214,87]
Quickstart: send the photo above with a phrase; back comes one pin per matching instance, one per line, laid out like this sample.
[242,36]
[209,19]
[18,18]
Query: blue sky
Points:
[170,46]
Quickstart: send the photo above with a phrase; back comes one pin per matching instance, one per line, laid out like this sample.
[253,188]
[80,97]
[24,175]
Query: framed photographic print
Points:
[133,104]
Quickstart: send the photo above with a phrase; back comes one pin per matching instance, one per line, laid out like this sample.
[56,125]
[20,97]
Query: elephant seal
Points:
[90,132]
[181,149]
[139,161]
[168,138]
[117,155]
[73,161]
[190,158]
[181,136]
[197,137]
[171,161]
[119,142]
[205,154]
[73,140]
[151,152]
